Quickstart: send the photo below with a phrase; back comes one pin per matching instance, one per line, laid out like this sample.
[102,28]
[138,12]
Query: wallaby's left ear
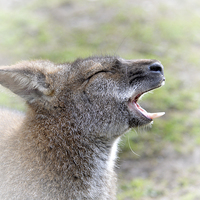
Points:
[30,80]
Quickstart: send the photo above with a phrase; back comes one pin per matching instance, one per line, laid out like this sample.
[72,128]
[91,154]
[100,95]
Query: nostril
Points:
[156,67]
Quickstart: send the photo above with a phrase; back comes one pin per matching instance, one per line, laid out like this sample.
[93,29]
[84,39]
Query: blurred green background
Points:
[158,163]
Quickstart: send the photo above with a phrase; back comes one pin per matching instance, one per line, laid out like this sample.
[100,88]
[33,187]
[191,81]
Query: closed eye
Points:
[99,72]
[87,99]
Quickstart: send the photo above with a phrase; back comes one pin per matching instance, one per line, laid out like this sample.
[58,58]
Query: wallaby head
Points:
[76,112]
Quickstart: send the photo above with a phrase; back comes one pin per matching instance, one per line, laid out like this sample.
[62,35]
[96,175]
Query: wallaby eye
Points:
[96,73]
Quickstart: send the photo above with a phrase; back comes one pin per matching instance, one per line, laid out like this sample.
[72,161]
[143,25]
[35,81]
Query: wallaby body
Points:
[65,145]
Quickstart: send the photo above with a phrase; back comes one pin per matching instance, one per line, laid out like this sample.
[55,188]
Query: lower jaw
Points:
[139,122]
[143,114]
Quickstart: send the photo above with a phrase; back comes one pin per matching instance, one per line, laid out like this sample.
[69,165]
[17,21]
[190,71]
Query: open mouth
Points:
[134,106]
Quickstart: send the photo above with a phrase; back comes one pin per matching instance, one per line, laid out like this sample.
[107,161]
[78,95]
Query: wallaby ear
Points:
[29,80]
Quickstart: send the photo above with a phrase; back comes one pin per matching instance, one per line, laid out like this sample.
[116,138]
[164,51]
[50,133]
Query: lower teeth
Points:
[149,115]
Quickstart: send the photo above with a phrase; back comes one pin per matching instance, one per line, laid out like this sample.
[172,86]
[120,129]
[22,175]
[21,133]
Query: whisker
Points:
[119,46]
[131,148]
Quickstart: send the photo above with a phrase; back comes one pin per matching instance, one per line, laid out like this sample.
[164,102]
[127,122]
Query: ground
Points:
[169,176]
[168,165]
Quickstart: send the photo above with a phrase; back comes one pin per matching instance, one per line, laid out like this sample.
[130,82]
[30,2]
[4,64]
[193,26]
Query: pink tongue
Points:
[149,115]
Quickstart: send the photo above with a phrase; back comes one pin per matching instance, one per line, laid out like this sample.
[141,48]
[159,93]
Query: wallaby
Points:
[65,146]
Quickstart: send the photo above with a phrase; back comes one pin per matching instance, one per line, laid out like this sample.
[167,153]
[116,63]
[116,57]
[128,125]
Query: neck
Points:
[73,159]
[69,155]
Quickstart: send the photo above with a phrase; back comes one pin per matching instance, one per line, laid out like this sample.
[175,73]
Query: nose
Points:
[156,67]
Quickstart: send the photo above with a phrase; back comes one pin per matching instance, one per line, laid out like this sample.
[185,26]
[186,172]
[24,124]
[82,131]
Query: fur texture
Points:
[65,146]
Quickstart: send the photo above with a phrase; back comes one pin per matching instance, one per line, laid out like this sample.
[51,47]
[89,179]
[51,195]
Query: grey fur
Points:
[65,145]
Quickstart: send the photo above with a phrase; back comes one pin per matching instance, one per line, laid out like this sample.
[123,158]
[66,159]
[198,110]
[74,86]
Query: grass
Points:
[139,189]
[10,100]
[147,189]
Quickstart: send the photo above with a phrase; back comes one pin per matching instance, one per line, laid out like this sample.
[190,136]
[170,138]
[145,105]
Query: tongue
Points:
[149,115]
